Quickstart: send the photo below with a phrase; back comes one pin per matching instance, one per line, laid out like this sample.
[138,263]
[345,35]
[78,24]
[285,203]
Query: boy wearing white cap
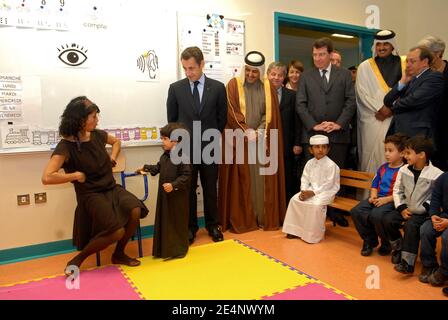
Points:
[305,217]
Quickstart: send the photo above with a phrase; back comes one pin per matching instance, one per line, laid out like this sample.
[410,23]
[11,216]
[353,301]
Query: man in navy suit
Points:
[415,99]
[200,99]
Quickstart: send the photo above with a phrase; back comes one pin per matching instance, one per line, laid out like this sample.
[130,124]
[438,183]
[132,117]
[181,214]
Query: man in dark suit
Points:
[416,98]
[291,125]
[326,104]
[196,100]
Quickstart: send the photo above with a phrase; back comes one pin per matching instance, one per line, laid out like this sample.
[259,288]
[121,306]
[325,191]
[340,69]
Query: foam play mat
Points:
[228,270]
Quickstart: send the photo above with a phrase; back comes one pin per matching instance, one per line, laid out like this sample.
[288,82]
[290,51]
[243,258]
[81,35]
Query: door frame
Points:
[365,35]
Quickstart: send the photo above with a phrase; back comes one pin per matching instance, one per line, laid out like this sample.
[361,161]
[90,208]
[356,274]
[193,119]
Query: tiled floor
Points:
[335,261]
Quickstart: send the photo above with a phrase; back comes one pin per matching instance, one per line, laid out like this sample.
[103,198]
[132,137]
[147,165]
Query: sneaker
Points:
[426,272]
[437,278]
[366,249]
[396,256]
[404,267]
[384,249]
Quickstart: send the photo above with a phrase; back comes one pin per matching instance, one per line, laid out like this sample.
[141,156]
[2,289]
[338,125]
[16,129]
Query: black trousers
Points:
[411,239]
[368,221]
[208,174]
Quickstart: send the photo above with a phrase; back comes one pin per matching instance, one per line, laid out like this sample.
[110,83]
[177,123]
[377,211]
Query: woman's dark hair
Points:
[75,115]
[398,139]
[296,64]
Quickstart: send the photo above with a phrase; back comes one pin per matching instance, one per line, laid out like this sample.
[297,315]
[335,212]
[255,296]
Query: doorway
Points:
[294,35]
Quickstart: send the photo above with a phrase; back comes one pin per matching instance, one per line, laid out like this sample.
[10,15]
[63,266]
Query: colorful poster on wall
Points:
[220,39]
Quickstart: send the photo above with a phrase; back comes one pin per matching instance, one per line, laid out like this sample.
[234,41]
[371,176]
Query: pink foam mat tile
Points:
[311,291]
[107,283]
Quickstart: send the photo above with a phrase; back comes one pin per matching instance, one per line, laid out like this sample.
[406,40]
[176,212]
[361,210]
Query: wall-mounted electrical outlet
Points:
[23,199]
[40,197]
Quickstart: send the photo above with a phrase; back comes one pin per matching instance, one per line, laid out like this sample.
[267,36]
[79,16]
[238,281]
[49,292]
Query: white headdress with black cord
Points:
[383,36]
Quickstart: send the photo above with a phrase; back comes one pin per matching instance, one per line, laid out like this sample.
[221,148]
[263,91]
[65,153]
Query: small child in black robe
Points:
[171,223]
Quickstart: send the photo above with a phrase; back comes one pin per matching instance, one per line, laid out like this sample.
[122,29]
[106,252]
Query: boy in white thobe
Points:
[305,217]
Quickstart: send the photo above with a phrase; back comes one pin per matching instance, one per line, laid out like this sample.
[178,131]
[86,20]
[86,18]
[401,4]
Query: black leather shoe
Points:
[384,249]
[191,236]
[437,278]
[291,236]
[216,234]
[396,256]
[366,249]
[445,291]
[340,221]
[404,267]
[426,272]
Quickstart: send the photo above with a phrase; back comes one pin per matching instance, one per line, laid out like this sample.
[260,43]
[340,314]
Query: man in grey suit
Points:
[326,104]
[199,98]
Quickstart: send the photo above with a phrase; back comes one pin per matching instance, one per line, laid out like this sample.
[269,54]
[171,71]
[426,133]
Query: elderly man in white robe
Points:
[305,217]
[375,77]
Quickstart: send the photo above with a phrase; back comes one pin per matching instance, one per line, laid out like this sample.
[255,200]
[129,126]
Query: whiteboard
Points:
[117,40]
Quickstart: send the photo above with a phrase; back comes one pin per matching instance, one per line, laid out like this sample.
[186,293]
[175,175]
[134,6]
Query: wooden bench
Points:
[357,179]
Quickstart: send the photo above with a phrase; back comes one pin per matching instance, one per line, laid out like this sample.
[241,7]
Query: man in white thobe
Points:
[375,77]
[305,217]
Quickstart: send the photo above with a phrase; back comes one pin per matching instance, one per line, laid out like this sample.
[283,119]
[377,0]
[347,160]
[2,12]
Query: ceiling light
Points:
[342,36]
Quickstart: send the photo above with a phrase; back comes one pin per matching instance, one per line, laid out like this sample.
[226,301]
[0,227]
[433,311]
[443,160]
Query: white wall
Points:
[33,224]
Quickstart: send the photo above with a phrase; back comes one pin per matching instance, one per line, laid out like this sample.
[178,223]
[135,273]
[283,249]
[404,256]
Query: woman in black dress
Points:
[106,213]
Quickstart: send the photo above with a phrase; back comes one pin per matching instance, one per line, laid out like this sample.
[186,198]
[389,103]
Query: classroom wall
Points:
[426,18]
[21,173]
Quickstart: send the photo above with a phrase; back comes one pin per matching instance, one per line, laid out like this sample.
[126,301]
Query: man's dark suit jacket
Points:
[415,106]
[291,124]
[314,104]
[213,113]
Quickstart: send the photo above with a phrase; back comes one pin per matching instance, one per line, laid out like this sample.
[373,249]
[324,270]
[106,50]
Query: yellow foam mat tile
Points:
[222,270]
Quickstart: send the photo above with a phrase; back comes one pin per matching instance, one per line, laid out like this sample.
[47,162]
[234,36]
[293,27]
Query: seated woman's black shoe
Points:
[291,236]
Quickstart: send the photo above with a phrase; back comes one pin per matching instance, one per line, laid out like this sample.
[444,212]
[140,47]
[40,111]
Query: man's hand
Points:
[320,127]
[383,113]
[332,126]
[168,187]
[406,78]
[297,150]
[327,126]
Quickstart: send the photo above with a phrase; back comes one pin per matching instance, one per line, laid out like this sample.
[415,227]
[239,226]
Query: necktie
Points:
[324,79]
[196,100]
